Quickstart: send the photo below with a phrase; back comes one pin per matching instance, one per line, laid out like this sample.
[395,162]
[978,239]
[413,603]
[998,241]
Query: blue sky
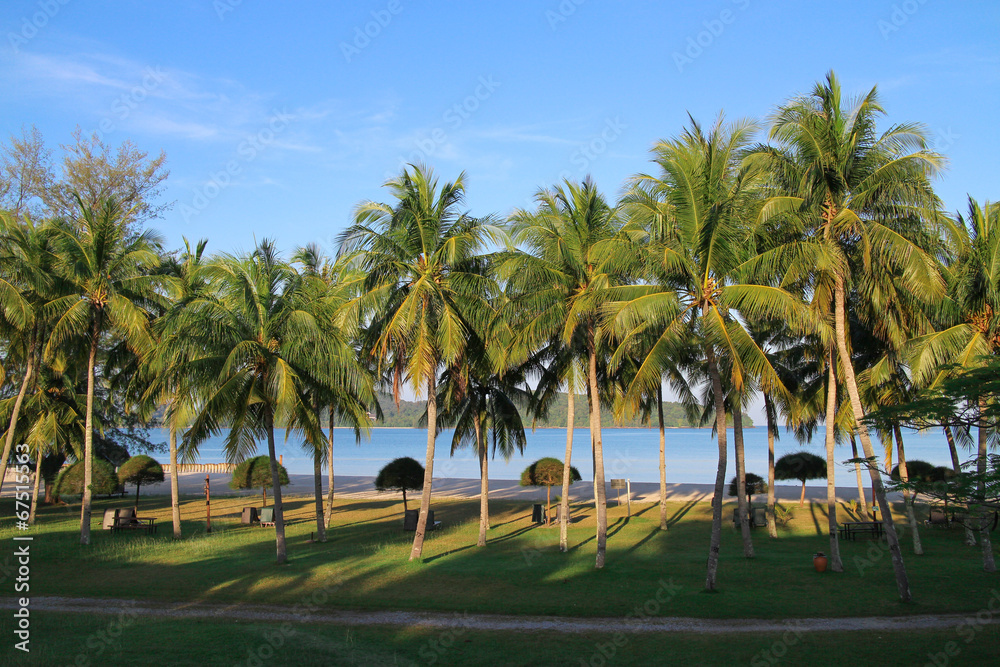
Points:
[277,119]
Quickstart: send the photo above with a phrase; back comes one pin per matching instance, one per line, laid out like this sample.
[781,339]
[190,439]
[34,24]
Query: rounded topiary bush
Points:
[402,474]
[139,470]
[255,473]
[104,481]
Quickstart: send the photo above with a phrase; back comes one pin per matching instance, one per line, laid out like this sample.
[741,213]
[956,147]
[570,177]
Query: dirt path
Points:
[301,614]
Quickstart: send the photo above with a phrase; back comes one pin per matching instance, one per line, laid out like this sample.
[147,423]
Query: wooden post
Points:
[208,506]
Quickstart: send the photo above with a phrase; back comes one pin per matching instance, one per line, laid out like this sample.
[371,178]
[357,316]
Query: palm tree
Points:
[165,379]
[970,315]
[110,271]
[425,288]
[560,284]
[856,190]
[257,341]
[348,394]
[693,291]
[481,403]
[26,261]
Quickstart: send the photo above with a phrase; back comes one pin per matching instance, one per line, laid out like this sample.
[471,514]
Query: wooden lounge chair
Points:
[266,516]
[758,517]
[110,519]
[249,516]
[938,517]
[411,517]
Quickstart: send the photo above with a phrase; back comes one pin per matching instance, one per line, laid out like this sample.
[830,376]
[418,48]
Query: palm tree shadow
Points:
[516,533]
[641,542]
[679,514]
[616,527]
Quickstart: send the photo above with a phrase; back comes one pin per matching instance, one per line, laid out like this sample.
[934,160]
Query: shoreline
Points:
[362,488]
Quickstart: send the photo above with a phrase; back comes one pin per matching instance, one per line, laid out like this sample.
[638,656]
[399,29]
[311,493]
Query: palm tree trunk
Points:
[595,435]
[772,528]
[861,485]
[29,371]
[279,519]
[175,503]
[984,534]
[908,499]
[34,492]
[425,497]
[329,472]
[88,437]
[741,481]
[318,492]
[484,484]
[802,498]
[663,458]
[564,501]
[899,568]
[970,535]
[720,475]
[836,564]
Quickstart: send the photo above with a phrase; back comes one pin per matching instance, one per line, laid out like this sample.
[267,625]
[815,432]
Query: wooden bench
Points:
[851,530]
[125,519]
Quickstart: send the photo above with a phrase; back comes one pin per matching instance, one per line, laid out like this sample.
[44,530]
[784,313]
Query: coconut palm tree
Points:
[113,290]
[696,292]
[970,316]
[481,404]
[559,284]
[348,394]
[256,342]
[26,284]
[859,193]
[424,289]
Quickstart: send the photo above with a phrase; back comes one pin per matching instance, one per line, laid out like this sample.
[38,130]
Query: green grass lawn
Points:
[77,639]
[364,565]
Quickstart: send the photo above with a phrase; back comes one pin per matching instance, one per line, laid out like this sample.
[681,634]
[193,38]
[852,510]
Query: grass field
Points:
[363,565]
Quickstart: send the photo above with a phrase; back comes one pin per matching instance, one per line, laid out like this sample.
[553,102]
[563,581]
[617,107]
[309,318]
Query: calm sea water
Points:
[692,454]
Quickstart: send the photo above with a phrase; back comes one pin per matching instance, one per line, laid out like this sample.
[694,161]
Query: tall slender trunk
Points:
[772,528]
[88,437]
[318,493]
[720,475]
[908,499]
[279,518]
[329,472]
[548,505]
[836,564]
[175,502]
[34,491]
[741,481]
[425,497]
[595,435]
[865,515]
[29,371]
[484,484]
[899,568]
[977,512]
[564,501]
[663,458]
[970,535]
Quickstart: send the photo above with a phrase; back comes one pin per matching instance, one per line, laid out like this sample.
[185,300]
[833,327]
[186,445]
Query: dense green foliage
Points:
[70,479]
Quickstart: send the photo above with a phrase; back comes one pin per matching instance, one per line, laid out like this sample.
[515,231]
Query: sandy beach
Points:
[192,483]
